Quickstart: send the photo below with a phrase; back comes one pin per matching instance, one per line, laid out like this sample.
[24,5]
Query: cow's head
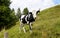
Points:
[34,12]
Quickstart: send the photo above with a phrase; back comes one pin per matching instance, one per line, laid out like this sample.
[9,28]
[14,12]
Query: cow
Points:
[28,19]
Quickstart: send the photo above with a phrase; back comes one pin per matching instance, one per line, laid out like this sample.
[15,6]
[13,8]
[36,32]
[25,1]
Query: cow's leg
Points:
[30,26]
[21,26]
[27,22]
[24,29]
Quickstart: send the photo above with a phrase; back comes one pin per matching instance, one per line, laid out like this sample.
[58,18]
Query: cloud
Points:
[31,4]
[47,4]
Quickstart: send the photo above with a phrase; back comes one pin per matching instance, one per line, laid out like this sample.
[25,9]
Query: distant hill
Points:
[47,25]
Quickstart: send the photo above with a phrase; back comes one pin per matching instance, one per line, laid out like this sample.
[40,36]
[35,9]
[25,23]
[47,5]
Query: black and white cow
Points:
[28,19]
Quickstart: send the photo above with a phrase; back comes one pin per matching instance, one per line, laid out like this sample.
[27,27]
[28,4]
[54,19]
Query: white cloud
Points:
[47,4]
[31,4]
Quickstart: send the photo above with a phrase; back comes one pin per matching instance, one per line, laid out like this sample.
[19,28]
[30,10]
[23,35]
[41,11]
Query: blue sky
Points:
[33,4]
[57,1]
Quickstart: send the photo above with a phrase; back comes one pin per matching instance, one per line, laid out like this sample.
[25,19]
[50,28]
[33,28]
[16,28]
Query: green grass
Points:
[47,25]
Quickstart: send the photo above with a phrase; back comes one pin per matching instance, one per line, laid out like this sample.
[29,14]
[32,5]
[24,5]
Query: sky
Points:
[33,4]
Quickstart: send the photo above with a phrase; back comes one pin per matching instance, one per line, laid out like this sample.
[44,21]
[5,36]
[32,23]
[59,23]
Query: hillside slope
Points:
[47,25]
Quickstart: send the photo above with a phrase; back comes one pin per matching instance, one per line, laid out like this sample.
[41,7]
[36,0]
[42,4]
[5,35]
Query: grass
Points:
[47,25]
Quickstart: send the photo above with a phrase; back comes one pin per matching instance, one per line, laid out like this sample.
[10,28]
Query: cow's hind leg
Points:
[30,26]
[22,27]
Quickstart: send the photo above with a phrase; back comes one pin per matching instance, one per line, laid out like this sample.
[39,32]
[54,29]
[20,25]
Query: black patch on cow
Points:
[30,18]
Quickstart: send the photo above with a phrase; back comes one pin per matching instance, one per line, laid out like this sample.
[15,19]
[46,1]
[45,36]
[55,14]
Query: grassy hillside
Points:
[47,25]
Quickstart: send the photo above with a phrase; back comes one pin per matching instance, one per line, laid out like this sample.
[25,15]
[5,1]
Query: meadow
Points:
[47,25]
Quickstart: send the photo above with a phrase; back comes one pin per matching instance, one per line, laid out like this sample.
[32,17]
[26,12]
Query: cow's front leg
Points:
[30,26]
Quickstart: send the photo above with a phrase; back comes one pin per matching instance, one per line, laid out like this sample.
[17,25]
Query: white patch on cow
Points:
[34,14]
[22,17]
[26,19]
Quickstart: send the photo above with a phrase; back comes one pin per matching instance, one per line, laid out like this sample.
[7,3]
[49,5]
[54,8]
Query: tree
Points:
[25,11]
[13,14]
[13,18]
[6,14]
[18,13]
